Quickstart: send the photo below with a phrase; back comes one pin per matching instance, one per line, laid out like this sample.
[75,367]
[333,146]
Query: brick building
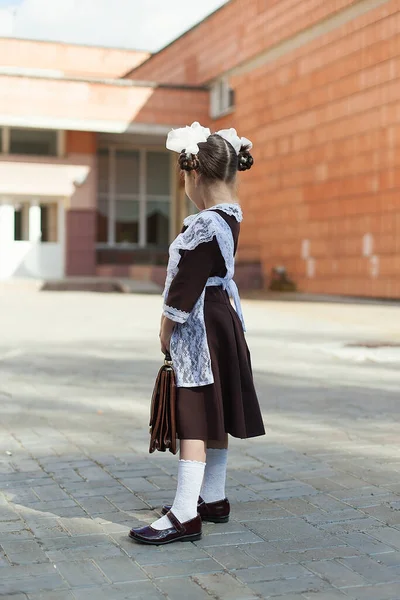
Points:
[87,188]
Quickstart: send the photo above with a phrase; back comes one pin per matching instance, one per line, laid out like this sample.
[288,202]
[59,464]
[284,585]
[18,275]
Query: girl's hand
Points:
[167,328]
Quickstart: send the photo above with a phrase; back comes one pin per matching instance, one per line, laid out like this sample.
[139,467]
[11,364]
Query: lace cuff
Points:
[179,316]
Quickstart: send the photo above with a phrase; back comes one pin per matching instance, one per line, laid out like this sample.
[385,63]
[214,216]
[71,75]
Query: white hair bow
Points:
[187,138]
[231,136]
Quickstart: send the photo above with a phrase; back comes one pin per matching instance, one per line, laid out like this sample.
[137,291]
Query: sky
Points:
[138,24]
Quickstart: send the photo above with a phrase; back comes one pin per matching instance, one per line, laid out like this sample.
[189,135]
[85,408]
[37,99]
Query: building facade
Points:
[87,188]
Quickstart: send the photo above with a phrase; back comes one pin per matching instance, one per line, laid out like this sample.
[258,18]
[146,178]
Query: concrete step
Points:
[83,284]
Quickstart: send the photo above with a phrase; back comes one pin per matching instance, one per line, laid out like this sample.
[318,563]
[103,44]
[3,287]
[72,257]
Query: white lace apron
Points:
[189,346]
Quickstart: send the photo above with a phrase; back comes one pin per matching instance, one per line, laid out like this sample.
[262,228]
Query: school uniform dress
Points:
[215,388]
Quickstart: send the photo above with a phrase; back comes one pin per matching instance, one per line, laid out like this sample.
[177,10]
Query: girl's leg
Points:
[190,477]
[213,488]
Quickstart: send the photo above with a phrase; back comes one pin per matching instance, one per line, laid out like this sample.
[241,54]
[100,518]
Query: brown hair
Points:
[217,160]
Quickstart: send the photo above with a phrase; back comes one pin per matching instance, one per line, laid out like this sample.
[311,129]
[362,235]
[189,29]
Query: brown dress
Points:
[230,404]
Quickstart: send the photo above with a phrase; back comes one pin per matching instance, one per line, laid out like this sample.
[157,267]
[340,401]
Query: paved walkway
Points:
[316,502]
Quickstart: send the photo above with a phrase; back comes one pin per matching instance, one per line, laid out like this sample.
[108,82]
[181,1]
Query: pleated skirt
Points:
[230,405]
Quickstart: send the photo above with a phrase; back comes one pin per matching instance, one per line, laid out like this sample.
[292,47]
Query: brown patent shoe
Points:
[211,512]
[179,532]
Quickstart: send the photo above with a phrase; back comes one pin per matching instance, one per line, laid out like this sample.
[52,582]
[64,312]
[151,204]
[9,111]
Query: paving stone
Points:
[324,553]
[324,484]
[217,528]
[8,514]
[58,508]
[335,573]
[386,535]
[228,539]
[163,482]
[48,528]
[366,492]
[256,511]
[183,589]
[94,473]
[327,503]
[81,526]
[130,502]
[242,494]
[365,543]
[333,595]
[124,591]
[62,595]
[49,493]
[120,569]
[9,526]
[223,585]
[116,522]
[233,558]
[283,587]
[267,554]
[305,543]
[32,584]
[284,529]
[257,574]
[184,567]
[295,506]
[93,489]
[82,573]
[98,505]
[161,555]
[390,559]
[323,517]
[386,591]
[245,478]
[347,526]
[372,571]
[273,474]
[81,547]
[384,513]
[370,500]
[138,484]
[284,490]
[24,552]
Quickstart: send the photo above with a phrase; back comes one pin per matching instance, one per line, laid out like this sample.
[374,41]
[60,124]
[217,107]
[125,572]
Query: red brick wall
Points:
[325,122]
[81,142]
[235,33]
[80,242]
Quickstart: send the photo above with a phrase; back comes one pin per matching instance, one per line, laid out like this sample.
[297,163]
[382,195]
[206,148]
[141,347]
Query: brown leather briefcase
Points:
[163,415]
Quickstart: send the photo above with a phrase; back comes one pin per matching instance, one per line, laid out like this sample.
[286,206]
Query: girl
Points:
[204,334]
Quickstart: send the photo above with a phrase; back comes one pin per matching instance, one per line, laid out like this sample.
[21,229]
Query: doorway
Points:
[32,238]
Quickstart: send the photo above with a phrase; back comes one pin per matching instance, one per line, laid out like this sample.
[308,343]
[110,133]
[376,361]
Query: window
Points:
[222,98]
[21,222]
[39,142]
[127,197]
[48,222]
[31,142]
[133,197]
[102,201]
[158,173]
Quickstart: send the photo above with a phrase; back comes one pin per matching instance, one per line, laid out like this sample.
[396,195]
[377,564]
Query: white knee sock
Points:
[190,477]
[213,488]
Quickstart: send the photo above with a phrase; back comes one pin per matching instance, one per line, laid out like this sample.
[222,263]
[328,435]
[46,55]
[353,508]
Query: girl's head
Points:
[210,161]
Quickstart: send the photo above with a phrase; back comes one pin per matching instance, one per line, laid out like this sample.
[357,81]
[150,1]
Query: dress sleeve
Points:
[195,267]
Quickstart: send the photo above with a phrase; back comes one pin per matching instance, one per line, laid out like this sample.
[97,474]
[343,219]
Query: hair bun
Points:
[245,159]
[188,163]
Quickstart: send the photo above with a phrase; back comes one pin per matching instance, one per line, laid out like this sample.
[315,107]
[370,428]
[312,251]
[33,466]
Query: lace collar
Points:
[234,210]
